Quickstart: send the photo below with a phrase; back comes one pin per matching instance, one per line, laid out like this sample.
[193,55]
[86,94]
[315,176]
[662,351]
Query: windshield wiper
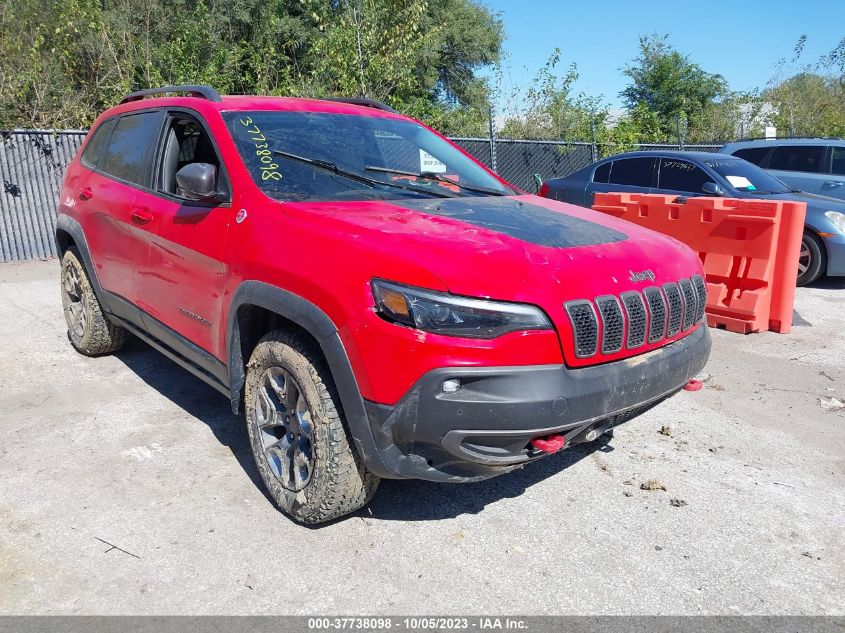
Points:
[431,175]
[351,175]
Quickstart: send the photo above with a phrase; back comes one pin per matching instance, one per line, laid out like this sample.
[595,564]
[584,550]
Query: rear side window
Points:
[754,155]
[129,146]
[797,158]
[602,173]
[681,175]
[97,144]
[838,166]
[632,171]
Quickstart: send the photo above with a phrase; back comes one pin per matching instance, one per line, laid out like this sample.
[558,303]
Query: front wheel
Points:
[301,445]
[811,260]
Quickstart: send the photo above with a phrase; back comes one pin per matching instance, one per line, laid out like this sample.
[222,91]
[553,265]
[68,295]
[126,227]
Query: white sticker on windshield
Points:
[429,163]
[741,182]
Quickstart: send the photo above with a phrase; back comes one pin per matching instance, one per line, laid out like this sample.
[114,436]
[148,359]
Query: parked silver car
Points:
[814,165]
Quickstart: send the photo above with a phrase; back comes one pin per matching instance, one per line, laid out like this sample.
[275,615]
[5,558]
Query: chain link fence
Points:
[32,163]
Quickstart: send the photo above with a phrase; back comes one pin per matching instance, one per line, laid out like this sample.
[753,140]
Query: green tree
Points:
[670,85]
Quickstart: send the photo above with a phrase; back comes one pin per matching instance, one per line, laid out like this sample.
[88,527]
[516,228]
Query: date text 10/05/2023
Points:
[423,623]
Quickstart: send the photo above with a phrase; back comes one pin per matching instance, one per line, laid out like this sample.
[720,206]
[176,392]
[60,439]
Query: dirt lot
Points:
[126,486]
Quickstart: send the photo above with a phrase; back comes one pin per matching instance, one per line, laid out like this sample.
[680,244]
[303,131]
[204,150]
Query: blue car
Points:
[814,165]
[707,174]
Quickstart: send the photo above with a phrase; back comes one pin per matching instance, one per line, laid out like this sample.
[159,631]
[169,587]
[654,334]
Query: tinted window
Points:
[94,149]
[797,158]
[631,171]
[133,135]
[383,157]
[838,166]
[745,177]
[186,142]
[681,175]
[752,154]
[602,173]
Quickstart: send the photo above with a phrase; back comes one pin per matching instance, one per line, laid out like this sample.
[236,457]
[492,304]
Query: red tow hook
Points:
[549,443]
[693,385]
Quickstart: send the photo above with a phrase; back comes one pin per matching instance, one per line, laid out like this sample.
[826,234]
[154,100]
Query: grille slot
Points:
[676,308]
[657,309]
[637,318]
[585,327]
[701,293]
[690,302]
[613,324]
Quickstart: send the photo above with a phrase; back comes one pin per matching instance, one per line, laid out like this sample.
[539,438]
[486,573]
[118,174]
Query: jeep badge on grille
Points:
[642,275]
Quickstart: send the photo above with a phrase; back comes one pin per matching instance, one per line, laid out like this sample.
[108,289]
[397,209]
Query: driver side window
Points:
[187,142]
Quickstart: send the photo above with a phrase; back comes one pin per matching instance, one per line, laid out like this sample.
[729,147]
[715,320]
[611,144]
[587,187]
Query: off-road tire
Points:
[339,482]
[99,335]
[813,244]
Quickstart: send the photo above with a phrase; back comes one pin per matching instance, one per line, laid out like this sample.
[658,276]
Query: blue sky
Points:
[741,40]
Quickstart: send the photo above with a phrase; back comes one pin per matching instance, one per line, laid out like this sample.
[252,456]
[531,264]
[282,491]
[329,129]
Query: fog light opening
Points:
[453,385]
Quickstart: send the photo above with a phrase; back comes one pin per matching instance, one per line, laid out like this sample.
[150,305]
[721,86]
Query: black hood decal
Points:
[518,219]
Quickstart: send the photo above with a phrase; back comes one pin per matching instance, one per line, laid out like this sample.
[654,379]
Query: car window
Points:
[797,158]
[186,142]
[396,158]
[631,171]
[94,149]
[129,146]
[602,173]
[754,155]
[681,175]
[745,177]
[838,165]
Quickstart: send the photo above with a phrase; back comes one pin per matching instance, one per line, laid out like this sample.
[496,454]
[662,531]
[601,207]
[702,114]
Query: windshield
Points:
[745,177]
[311,156]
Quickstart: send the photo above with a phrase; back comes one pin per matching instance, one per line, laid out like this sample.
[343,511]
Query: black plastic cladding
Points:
[683,303]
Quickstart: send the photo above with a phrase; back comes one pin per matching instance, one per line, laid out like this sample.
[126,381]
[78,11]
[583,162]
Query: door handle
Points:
[832,184]
[139,217]
[86,194]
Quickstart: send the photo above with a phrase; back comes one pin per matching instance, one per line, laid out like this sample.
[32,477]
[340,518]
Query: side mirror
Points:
[708,187]
[197,181]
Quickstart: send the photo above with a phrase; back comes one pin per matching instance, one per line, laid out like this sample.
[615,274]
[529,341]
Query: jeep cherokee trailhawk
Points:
[377,302]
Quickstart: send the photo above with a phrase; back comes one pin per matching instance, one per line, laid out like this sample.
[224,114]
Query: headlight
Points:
[838,220]
[442,313]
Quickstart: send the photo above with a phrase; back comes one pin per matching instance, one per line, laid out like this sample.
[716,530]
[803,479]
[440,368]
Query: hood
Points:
[813,200]
[517,248]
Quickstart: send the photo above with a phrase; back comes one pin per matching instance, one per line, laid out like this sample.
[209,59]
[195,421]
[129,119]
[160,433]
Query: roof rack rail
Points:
[203,92]
[789,138]
[367,103]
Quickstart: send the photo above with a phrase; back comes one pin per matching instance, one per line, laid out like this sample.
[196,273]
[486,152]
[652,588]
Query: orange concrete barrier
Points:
[749,249]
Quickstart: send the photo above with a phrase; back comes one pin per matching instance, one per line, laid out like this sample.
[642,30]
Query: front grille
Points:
[657,308]
[657,313]
[676,308]
[635,309]
[690,302]
[701,295]
[612,322]
[585,327]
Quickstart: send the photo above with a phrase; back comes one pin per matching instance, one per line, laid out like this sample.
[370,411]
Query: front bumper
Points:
[484,429]
[835,255]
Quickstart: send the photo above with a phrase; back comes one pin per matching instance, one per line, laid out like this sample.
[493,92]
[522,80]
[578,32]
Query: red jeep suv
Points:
[376,301]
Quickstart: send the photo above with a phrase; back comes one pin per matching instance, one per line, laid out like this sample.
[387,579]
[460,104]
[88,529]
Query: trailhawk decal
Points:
[524,221]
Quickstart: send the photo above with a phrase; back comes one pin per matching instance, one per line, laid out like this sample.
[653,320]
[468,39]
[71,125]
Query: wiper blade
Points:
[351,175]
[431,175]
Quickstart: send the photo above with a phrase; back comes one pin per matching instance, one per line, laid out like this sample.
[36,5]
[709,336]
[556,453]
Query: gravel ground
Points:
[127,487]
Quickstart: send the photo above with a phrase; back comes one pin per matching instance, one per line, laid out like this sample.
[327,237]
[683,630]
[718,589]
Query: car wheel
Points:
[811,259]
[300,442]
[88,328]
